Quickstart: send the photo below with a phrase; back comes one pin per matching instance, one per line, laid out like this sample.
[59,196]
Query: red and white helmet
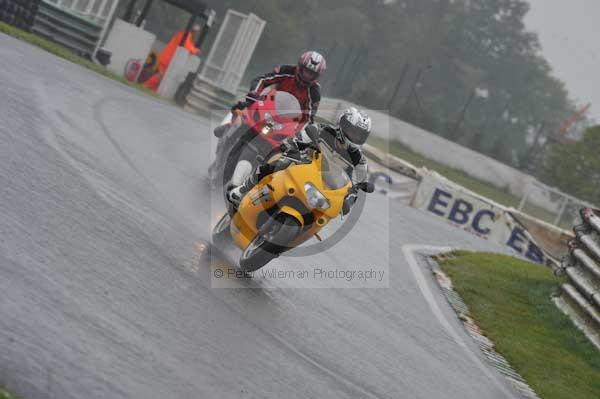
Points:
[310,66]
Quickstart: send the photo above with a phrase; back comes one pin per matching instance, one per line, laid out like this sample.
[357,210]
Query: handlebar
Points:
[367,187]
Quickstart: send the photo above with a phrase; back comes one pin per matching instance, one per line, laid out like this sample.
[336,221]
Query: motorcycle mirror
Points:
[367,187]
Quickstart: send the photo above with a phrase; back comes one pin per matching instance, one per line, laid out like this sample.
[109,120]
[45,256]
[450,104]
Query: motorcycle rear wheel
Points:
[268,245]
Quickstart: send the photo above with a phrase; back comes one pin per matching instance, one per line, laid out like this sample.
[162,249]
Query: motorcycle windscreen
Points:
[334,175]
[287,106]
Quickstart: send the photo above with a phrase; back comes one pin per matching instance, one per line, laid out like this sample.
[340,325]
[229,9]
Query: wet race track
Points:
[104,292]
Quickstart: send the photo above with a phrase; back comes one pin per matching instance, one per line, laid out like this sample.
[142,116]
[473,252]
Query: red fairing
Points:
[274,117]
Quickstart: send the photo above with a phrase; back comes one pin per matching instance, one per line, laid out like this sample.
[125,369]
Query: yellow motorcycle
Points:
[288,207]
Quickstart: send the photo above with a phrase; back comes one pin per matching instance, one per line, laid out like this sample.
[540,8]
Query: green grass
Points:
[510,301]
[66,54]
[499,195]
[7,395]
[487,190]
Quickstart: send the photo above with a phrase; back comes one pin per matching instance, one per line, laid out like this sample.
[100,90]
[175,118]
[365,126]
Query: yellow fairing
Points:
[286,189]
[288,210]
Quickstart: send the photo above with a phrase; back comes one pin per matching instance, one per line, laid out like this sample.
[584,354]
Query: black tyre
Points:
[271,243]
[228,143]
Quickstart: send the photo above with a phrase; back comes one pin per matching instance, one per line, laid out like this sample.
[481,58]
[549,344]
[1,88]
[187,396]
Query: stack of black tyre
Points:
[19,13]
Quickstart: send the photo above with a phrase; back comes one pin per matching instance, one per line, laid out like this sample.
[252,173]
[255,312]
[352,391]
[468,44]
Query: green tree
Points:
[575,168]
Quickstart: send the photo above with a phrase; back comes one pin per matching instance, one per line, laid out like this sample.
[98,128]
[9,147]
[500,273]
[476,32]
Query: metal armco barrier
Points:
[78,33]
[580,295]
[19,13]
[206,97]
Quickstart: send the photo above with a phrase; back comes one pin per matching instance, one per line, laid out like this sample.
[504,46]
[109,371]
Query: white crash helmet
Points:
[354,125]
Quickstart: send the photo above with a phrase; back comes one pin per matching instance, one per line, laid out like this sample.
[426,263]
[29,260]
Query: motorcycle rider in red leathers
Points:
[299,80]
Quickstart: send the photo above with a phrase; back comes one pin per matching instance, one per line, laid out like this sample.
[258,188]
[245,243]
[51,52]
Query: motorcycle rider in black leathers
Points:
[345,138]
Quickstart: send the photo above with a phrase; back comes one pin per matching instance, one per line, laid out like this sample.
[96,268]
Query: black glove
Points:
[250,99]
[302,145]
[264,169]
[288,146]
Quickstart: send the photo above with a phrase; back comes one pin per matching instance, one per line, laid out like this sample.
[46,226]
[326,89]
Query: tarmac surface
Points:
[105,291]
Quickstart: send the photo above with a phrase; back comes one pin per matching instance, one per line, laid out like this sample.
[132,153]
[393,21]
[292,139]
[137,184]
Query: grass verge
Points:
[510,301]
[66,54]
[7,395]
[473,184]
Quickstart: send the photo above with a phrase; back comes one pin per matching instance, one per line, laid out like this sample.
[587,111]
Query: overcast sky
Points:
[569,31]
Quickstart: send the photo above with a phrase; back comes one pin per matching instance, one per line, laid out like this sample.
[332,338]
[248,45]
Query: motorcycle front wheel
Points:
[271,243]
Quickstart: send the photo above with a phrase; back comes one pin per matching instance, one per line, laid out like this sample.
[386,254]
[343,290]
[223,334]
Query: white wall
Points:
[182,63]
[127,42]
[439,149]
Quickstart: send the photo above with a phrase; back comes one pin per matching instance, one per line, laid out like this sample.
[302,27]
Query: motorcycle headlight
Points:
[315,199]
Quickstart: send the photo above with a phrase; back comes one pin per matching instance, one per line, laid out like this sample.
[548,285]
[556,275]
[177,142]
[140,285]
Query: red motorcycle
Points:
[254,132]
